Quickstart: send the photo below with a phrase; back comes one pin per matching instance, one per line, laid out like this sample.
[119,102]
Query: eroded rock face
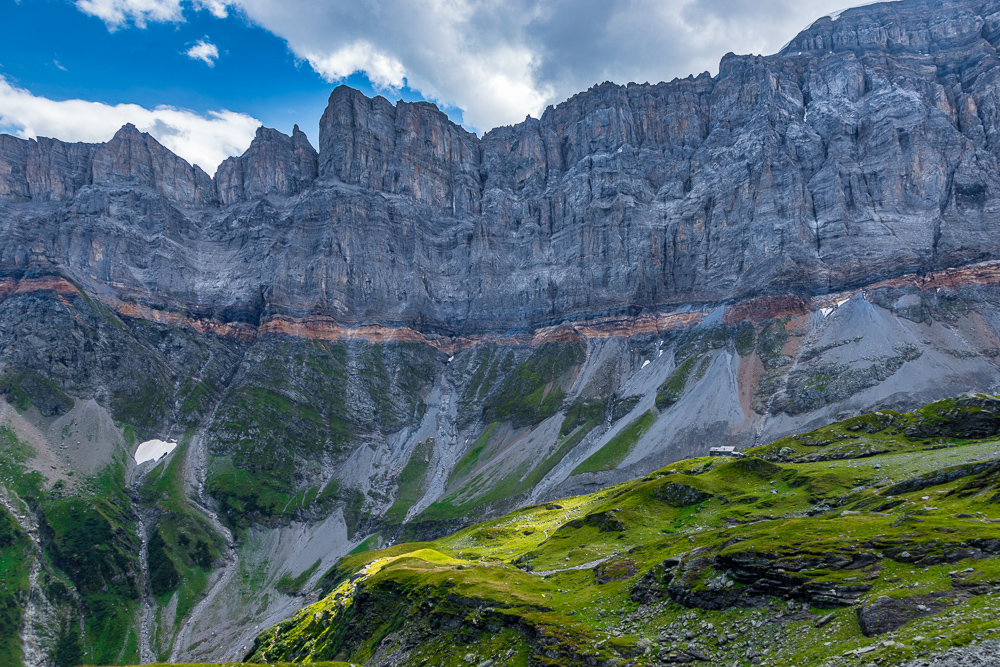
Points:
[274,164]
[680,495]
[42,170]
[135,158]
[867,148]
[886,614]
[410,149]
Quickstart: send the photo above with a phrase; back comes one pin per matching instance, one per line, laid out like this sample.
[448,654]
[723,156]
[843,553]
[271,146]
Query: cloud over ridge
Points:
[499,60]
[205,140]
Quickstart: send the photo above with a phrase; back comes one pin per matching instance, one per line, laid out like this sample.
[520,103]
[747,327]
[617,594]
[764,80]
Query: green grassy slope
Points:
[888,548]
[89,569]
[288,409]
[238,664]
[525,395]
[14,568]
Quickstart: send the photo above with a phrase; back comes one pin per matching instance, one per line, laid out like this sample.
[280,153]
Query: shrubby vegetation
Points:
[535,389]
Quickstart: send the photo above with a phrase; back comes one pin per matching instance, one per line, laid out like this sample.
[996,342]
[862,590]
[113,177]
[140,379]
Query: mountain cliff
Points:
[414,327]
[859,152]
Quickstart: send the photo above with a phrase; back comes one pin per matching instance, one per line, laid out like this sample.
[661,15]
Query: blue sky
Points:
[78,69]
[62,53]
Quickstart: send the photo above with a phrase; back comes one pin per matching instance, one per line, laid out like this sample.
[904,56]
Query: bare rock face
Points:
[868,148]
[135,158]
[43,169]
[886,614]
[274,164]
[410,149]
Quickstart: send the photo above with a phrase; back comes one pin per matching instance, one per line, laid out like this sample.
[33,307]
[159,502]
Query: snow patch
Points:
[644,364]
[826,311]
[833,17]
[837,14]
[153,450]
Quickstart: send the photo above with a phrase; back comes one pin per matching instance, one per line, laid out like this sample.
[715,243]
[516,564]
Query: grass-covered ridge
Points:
[325,663]
[184,548]
[14,565]
[535,389]
[890,553]
[947,423]
[619,447]
[517,389]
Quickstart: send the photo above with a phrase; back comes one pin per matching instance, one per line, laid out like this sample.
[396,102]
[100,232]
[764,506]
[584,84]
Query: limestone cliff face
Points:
[411,149]
[866,149]
[42,170]
[134,158]
[274,164]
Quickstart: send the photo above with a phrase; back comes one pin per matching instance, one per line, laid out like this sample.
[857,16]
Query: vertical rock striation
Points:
[134,158]
[865,149]
[274,164]
[43,169]
[410,149]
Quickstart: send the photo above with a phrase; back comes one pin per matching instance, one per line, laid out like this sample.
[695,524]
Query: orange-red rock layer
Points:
[757,310]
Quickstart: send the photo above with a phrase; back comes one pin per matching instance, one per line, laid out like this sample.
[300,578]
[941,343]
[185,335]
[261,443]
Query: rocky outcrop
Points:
[43,169]
[705,580]
[274,164]
[942,477]
[680,495]
[972,416]
[134,158]
[46,170]
[410,149]
[885,614]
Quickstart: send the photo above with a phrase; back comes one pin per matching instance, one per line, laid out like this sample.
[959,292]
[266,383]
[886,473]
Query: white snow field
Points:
[152,450]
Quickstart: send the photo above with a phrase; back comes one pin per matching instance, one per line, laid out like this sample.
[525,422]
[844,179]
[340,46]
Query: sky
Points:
[202,75]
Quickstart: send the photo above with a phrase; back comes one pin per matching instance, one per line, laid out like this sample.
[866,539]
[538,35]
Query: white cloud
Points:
[117,13]
[360,56]
[203,140]
[463,53]
[218,8]
[204,51]
[499,60]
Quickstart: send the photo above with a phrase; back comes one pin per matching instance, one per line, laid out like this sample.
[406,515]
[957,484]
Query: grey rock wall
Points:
[134,158]
[867,148]
[274,164]
[42,170]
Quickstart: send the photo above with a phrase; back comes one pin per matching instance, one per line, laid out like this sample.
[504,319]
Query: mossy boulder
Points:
[886,614]
[605,522]
[617,569]
[680,495]
[969,416]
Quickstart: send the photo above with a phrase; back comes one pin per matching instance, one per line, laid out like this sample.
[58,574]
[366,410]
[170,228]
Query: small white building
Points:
[723,451]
